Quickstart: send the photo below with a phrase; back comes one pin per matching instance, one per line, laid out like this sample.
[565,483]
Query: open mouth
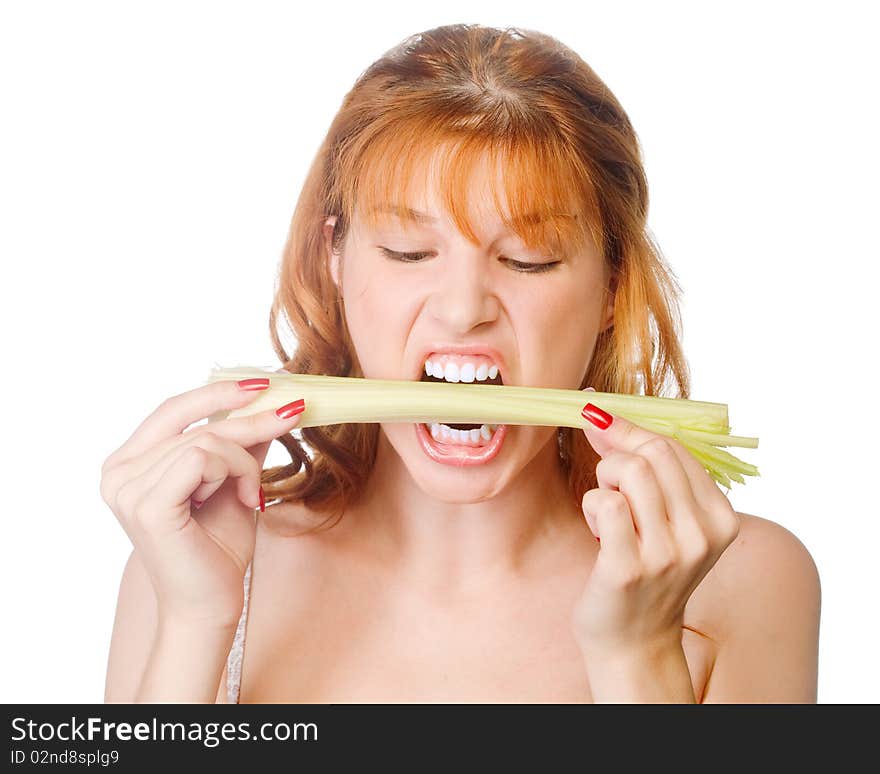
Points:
[460,443]
[439,431]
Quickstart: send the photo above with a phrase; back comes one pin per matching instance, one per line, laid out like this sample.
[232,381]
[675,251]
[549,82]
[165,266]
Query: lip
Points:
[460,456]
[463,349]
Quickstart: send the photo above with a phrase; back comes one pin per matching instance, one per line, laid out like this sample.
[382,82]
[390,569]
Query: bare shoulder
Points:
[766,566]
[761,604]
[765,570]
[761,541]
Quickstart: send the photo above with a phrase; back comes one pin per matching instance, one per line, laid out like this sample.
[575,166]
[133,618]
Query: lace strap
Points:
[236,652]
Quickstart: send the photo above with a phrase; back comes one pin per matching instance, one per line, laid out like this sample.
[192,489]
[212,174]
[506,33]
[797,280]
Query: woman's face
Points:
[538,327]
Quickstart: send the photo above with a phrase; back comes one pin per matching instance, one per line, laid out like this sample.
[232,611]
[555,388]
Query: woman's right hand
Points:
[196,558]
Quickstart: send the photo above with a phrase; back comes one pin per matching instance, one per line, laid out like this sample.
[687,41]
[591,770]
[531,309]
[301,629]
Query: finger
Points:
[696,527]
[670,475]
[610,520]
[237,463]
[177,413]
[608,432]
[636,480]
[257,430]
[250,431]
[242,467]
[259,452]
[683,510]
[705,490]
[165,500]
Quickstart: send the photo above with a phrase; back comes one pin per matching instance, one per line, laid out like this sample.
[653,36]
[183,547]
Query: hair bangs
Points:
[537,189]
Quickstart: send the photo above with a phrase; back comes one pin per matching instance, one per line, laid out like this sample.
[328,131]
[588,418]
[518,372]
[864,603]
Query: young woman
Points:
[477,211]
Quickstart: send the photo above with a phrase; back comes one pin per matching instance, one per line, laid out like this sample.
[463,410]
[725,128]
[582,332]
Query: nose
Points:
[463,298]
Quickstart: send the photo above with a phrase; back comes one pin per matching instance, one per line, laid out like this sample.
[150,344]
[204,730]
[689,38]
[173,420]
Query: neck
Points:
[527,527]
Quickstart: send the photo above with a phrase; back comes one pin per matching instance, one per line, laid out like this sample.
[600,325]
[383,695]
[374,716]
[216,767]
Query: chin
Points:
[461,493]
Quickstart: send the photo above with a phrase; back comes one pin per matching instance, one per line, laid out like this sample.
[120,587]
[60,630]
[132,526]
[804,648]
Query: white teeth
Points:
[451,372]
[474,437]
[466,372]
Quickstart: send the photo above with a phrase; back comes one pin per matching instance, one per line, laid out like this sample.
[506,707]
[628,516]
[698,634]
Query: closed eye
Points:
[521,266]
[405,257]
[533,268]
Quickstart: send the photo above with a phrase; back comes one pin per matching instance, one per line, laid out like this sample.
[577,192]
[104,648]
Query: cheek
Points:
[562,334]
[366,295]
[373,291]
[378,314]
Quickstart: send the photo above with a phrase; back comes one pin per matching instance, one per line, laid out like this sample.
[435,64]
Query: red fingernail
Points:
[602,419]
[254,384]
[198,503]
[291,409]
[598,541]
[262,501]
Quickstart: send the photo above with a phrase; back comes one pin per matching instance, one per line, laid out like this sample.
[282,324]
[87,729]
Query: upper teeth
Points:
[457,369]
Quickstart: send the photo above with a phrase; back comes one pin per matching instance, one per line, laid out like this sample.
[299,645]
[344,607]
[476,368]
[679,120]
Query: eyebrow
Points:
[407,213]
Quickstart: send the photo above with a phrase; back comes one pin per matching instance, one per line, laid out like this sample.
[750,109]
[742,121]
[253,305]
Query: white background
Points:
[151,157]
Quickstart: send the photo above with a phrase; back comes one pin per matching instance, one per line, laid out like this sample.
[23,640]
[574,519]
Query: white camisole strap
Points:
[236,652]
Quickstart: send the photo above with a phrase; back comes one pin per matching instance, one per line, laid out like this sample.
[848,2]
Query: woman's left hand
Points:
[662,523]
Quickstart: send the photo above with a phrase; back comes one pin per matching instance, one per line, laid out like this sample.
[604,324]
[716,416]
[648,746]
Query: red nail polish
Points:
[262,501]
[291,409]
[198,504]
[602,419]
[254,384]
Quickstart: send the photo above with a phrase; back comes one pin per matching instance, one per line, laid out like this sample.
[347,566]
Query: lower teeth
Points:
[476,437]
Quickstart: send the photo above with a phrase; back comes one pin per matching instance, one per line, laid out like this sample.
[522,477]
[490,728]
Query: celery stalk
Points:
[699,425]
